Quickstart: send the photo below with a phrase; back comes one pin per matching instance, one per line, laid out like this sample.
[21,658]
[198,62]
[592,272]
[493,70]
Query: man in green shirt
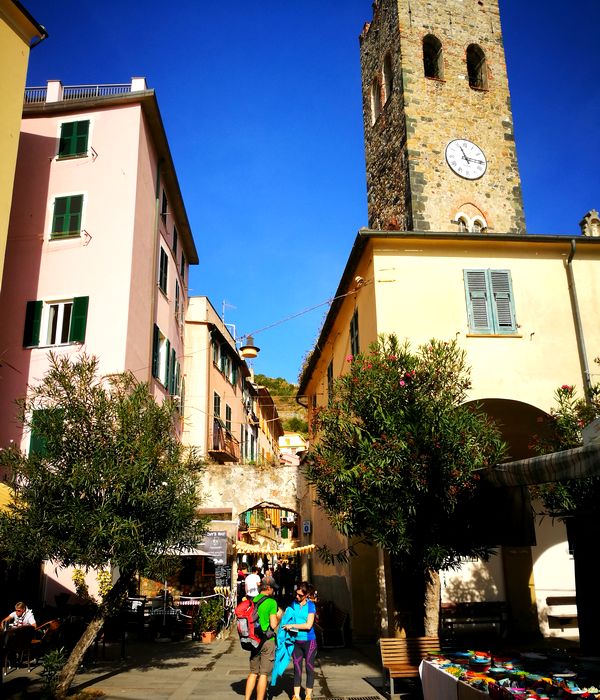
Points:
[261,661]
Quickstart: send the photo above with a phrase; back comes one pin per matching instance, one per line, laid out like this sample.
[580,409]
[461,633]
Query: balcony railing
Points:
[35,95]
[224,447]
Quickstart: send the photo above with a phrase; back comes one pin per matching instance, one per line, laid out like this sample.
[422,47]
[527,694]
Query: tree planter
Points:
[207,637]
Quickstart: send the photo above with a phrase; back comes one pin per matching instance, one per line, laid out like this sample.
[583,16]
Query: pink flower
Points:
[402,382]
[349,358]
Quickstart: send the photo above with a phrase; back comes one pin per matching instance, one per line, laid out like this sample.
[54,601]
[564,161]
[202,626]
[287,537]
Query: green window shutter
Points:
[478,307]
[234,374]
[74,138]
[171,386]
[167,364]
[155,351]
[354,341]
[163,271]
[67,215]
[37,443]
[33,322]
[79,320]
[503,301]
[175,242]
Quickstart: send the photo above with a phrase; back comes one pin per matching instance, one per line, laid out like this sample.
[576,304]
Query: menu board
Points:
[223,575]
[214,545]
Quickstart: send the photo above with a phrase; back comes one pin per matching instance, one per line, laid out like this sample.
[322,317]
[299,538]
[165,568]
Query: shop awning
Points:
[556,466]
[245,548]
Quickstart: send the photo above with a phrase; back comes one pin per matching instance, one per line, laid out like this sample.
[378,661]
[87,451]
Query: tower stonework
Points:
[439,139]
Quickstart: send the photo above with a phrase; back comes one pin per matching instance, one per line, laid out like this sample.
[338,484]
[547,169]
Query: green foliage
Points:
[110,485]
[296,425]
[571,414]
[277,387]
[52,664]
[210,614]
[397,453]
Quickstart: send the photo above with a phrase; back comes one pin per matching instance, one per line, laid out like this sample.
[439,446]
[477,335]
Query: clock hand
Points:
[475,160]
[464,154]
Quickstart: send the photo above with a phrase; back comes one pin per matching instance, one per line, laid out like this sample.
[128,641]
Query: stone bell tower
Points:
[439,139]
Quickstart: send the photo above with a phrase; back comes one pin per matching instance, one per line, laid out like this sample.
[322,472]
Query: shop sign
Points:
[214,545]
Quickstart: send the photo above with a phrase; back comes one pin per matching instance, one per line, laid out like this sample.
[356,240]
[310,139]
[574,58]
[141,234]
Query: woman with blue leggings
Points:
[305,646]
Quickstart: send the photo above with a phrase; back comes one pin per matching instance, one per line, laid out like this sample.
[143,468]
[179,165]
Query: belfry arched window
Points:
[433,57]
[388,78]
[477,67]
[375,100]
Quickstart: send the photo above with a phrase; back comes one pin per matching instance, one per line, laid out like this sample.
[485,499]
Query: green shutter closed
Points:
[502,294]
[476,288]
[79,320]
[37,443]
[155,351]
[171,386]
[74,139]
[167,365]
[33,322]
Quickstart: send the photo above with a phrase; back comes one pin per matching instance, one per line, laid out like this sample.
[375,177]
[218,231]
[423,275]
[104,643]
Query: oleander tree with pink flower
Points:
[395,462]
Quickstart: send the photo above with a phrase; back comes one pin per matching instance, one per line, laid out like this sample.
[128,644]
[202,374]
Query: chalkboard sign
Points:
[223,575]
[214,545]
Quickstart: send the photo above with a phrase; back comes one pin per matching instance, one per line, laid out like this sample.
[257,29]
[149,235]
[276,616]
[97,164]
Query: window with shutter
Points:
[74,139]
[354,341]
[330,381]
[490,303]
[66,220]
[33,323]
[163,271]
[156,352]
[55,322]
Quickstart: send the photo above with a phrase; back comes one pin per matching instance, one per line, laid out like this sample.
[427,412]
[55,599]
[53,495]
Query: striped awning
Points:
[556,466]
[245,548]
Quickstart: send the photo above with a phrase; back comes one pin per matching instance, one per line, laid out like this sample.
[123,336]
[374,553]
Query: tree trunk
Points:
[69,670]
[431,608]
[86,640]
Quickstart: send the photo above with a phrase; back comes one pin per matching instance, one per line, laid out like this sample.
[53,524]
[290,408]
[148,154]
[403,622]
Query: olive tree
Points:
[106,483]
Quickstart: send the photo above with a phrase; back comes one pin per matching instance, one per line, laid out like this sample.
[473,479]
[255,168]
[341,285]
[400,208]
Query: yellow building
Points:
[18,29]
[447,256]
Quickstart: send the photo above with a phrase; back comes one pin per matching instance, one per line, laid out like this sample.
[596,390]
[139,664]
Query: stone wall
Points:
[238,487]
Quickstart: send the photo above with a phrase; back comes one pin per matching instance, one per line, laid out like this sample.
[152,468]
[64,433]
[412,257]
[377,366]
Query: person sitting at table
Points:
[21,616]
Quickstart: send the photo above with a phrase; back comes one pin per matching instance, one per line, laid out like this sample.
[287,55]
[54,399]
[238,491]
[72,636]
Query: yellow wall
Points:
[16,32]
[414,286]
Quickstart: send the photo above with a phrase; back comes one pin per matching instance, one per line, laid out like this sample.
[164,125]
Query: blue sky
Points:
[262,106]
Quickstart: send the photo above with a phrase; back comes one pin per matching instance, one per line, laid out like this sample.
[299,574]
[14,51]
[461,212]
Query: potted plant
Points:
[208,618]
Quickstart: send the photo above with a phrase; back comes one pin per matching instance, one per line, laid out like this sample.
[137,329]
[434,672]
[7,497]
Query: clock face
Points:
[466,159]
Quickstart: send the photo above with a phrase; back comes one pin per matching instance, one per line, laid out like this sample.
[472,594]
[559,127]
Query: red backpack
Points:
[248,625]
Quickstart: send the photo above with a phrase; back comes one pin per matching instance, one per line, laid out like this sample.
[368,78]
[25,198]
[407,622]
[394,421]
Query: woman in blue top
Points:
[305,646]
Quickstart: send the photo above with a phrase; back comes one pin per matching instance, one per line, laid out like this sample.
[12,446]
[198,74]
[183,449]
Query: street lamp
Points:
[249,351]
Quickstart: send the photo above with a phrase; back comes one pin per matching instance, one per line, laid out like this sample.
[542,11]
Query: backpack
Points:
[251,633]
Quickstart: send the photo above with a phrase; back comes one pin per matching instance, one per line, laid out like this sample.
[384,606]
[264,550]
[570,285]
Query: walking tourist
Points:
[252,582]
[303,610]
[261,660]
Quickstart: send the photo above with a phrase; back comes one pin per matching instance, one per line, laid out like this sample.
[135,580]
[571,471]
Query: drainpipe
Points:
[587,383]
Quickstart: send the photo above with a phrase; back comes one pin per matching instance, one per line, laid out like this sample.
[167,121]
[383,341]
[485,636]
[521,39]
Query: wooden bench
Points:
[401,656]
[491,613]
[330,627]
[563,618]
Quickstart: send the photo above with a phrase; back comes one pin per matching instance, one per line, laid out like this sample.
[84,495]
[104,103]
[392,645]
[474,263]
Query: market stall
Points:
[476,675]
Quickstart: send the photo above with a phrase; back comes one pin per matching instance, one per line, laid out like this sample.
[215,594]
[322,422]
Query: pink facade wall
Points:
[112,262]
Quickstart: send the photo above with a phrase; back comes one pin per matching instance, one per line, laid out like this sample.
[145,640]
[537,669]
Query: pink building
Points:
[99,242]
